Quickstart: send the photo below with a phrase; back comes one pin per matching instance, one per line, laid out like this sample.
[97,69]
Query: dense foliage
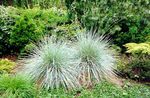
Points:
[124,21]
[32,3]
[20,27]
[16,87]
[138,65]
[106,90]
[141,49]
[6,66]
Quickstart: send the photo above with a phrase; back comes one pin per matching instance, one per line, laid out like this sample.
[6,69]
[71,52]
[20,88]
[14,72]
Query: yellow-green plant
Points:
[139,49]
[16,87]
[6,65]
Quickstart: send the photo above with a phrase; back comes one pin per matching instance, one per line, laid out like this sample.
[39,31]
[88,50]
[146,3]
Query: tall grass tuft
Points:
[50,65]
[16,87]
[97,60]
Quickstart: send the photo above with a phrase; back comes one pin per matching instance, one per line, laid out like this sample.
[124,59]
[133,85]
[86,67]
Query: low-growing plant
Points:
[96,59]
[108,90]
[138,69]
[138,63]
[16,87]
[6,65]
[141,49]
[50,65]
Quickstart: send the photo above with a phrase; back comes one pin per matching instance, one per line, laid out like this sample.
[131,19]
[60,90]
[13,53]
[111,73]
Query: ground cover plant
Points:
[138,65]
[16,87]
[6,66]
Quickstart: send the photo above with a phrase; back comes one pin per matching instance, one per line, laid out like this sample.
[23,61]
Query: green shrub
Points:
[6,65]
[141,49]
[7,20]
[67,31]
[139,64]
[20,27]
[16,87]
[121,20]
[138,69]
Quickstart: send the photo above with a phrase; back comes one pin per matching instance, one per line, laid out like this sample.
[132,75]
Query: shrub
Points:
[27,28]
[50,65]
[139,64]
[6,66]
[20,27]
[6,22]
[96,59]
[67,31]
[139,69]
[107,17]
[141,49]
[16,87]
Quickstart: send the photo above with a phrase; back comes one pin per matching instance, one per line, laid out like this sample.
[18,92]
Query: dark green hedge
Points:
[20,27]
[123,20]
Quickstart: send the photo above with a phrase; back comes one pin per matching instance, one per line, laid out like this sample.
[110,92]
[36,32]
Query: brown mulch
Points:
[10,57]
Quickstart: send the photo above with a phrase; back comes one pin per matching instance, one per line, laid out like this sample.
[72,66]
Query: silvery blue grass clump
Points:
[51,65]
[54,64]
[97,60]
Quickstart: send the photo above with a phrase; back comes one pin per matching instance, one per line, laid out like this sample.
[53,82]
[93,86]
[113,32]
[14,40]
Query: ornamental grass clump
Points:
[50,65]
[97,60]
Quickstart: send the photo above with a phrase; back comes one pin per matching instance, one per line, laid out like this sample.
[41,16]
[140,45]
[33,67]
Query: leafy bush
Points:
[43,4]
[20,27]
[139,64]
[141,49]
[32,24]
[6,22]
[26,29]
[96,59]
[6,65]
[67,31]
[122,20]
[138,69]
[16,87]
[50,65]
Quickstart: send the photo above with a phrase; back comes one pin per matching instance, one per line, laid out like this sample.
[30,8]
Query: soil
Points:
[10,57]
